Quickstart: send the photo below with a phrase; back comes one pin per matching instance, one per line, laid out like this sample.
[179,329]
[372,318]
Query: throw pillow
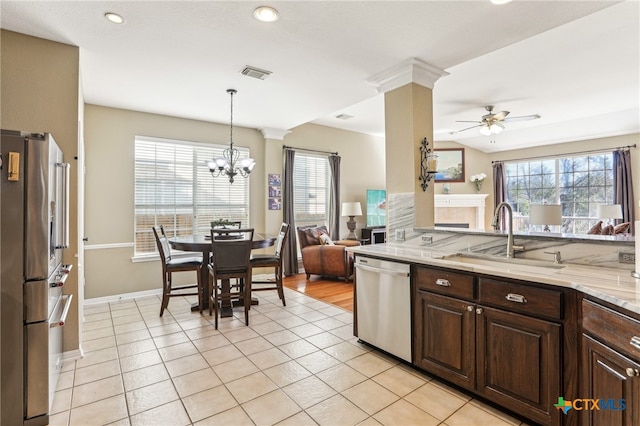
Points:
[596,229]
[621,228]
[325,240]
[312,238]
[607,230]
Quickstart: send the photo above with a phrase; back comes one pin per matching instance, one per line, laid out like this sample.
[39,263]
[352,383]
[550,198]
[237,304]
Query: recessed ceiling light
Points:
[500,1]
[266,14]
[114,17]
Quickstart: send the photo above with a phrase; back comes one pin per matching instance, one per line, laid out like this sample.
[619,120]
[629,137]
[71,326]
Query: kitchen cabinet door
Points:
[609,376]
[519,363]
[445,337]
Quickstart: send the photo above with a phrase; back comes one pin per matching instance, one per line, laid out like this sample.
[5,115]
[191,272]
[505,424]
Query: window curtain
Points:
[623,185]
[499,189]
[334,197]
[290,252]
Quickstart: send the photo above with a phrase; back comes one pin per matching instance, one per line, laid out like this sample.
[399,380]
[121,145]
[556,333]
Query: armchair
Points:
[330,258]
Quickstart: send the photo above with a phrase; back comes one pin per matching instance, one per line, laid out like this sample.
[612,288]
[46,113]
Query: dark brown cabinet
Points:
[519,364]
[473,332]
[610,366]
[445,337]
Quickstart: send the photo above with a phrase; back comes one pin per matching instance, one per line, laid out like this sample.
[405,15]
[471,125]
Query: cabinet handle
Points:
[518,298]
[470,308]
[479,311]
[633,372]
[635,342]
[442,282]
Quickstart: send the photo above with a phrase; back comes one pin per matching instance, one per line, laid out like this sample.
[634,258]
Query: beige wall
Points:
[40,81]
[475,162]
[362,164]
[109,142]
[480,162]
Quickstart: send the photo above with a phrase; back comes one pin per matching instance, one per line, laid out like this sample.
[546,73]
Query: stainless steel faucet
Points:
[511,249]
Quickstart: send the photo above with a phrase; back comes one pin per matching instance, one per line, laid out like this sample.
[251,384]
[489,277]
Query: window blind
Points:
[173,188]
[311,179]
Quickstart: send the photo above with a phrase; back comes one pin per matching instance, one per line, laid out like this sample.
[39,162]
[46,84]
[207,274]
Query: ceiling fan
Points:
[492,124]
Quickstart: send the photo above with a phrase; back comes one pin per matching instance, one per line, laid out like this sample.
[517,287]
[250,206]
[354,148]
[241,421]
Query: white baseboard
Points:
[73,355]
[139,294]
[121,297]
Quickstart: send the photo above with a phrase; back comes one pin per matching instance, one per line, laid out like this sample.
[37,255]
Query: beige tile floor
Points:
[294,365]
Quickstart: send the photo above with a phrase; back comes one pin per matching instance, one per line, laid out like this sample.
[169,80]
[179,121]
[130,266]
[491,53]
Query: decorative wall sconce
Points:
[428,164]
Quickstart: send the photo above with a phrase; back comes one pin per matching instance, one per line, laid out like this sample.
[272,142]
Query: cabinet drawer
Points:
[616,330]
[445,282]
[527,299]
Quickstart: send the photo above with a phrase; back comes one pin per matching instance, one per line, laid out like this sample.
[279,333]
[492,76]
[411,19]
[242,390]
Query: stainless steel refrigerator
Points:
[34,217]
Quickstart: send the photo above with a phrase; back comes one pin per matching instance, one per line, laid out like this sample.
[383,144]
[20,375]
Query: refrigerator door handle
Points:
[63,317]
[65,219]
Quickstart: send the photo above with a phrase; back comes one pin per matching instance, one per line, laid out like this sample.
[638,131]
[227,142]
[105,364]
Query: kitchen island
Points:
[523,332]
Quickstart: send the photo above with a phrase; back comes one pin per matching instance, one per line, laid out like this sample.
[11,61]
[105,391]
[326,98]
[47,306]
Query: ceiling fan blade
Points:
[462,130]
[468,121]
[523,118]
[500,115]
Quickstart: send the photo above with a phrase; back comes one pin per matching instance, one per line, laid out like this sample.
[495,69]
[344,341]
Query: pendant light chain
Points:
[231,92]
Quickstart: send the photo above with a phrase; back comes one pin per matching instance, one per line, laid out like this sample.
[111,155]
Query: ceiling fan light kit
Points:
[492,124]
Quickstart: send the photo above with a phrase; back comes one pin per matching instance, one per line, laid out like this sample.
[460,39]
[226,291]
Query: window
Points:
[578,183]
[311,180]
[173,188]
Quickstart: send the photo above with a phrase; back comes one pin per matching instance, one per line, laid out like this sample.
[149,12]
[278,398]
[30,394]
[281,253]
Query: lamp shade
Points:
[545,214]
[612,211]
[351,208]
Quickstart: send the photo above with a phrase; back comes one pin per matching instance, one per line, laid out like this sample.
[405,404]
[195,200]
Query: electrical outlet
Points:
[427,239]
[626,257]
[400,234]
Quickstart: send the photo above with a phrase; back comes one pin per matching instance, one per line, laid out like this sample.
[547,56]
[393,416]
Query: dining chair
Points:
[171,265]
[272,261]
[231,253]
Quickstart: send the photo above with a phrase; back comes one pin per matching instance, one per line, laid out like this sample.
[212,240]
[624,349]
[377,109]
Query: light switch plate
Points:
[400,234]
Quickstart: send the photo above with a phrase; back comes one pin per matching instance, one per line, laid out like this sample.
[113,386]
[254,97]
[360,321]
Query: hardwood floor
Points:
[334,291]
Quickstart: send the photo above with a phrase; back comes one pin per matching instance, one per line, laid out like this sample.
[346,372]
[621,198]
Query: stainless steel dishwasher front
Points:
[383,297]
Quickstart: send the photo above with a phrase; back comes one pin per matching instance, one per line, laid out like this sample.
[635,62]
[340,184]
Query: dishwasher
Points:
[383,305]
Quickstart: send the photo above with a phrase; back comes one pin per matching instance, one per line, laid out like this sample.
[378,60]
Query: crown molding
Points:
[277,134]
[412,70]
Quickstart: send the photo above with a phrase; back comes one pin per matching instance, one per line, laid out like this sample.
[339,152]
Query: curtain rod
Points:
[309,150]
[564,155]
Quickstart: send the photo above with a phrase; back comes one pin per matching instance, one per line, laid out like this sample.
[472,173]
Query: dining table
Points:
[202,244]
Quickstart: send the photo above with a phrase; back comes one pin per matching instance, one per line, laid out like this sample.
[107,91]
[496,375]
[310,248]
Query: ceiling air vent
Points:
[255,72]
[344,116]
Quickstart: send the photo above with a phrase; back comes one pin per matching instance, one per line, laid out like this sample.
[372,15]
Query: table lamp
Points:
[545,214]
[611,211]
[351,209]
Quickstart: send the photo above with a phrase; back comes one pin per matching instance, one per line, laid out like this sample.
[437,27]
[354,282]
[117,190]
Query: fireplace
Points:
[460,209]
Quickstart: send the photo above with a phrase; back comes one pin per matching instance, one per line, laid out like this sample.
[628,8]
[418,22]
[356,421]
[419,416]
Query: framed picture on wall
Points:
[274,179]
[275,192]
[450,165]
[275,203]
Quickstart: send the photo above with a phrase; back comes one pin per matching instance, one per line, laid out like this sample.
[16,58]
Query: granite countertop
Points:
[615,286]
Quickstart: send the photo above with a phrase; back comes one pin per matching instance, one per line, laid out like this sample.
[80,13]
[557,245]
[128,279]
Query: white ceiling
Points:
[576,63]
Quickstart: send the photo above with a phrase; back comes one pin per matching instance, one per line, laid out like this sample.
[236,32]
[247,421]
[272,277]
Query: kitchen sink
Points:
[505,264]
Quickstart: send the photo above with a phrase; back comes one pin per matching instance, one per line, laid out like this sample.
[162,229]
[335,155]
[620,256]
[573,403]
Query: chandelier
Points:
[230,164]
